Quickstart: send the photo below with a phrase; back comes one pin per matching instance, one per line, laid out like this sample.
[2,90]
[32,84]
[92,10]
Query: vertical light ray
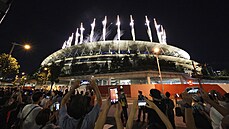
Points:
[92,30]
[148,29]
[69,42]
[118,23]
[77,36]
[160,32]
[163,35]
[104,22]
[64,45]
[81,33]
[132,27]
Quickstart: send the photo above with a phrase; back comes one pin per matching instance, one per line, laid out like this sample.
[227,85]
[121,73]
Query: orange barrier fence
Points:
[132,90]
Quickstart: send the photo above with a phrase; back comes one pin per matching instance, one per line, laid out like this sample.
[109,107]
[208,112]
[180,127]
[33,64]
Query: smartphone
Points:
[47,97]
[84,82]
[141,103]
[114,95]
[57,105]
[192,90]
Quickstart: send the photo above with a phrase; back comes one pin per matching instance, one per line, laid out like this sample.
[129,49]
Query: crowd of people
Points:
[40,109]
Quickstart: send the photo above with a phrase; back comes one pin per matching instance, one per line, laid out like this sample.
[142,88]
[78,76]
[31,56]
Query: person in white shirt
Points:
[30,112]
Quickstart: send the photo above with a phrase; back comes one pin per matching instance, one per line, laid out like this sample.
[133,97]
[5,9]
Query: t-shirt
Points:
[29,122]
[67,122]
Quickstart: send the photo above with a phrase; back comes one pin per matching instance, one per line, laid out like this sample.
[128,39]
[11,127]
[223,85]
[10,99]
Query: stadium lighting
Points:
[156,52]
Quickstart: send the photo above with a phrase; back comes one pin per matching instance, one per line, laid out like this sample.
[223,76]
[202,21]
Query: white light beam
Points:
[132,27]
[77,36]
[148,29]
[118,23]
[64,45]
[92,30]
[81,33]
[104,22]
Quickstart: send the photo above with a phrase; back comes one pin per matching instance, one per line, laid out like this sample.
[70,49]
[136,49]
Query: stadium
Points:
[116,62]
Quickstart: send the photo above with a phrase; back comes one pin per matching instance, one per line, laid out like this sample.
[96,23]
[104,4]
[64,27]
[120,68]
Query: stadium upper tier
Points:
[119,48]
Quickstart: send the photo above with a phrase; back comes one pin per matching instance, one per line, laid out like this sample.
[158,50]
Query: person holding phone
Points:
[76,116]
[113,95]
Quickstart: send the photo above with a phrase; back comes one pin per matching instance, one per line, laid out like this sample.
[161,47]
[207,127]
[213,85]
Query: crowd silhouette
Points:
[72,109]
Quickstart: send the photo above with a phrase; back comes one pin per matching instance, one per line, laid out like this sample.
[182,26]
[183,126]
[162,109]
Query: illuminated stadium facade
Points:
[121,61]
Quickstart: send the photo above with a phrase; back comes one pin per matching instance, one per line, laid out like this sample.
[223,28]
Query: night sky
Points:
[200,27]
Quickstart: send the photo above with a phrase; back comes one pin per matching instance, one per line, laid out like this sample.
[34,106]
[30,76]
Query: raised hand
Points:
[150,104]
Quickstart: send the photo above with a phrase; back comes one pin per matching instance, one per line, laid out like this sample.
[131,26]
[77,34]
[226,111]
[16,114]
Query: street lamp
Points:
[156,52]
[25,46]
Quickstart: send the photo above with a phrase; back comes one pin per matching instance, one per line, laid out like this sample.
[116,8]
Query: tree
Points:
[9,67]
[43,74]
[55,71]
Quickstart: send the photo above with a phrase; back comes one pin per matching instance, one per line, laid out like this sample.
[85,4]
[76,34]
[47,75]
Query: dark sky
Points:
[200,27]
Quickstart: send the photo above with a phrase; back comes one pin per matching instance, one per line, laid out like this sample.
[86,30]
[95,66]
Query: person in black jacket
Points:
[169,109]
[154,121]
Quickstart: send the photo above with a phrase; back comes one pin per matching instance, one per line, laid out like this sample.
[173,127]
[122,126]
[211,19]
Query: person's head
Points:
[155,94]
[167,94]
[121,91]
[43,117]
[78,106]
[37,97]
[140,92]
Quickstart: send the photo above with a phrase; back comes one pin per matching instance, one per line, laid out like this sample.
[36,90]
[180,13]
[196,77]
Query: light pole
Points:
[25,46]
[156,52]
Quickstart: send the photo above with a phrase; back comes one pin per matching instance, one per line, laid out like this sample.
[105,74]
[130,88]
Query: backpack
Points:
[19,121]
